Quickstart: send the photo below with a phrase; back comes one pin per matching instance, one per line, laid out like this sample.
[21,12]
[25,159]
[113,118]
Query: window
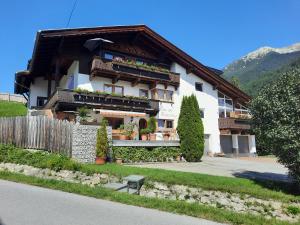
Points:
[108,88]
[198,86]
[169,123]
[225,105]
[165,123]
[144,93]
[108,56]
[161,123]
[241,109]
[114,89]
[169,95]
[202,113]
[115,123]
[118,90]
[71,82]
[40,101]
[161,94]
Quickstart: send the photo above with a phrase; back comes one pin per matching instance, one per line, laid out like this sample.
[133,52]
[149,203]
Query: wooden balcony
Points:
[239,115]
[70,100]
[133,73]
[234,124]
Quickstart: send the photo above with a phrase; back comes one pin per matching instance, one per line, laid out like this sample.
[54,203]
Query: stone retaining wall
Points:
[84,142]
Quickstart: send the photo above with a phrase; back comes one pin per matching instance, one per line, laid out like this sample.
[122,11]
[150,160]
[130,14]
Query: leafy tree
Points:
[102,140]
[276,119]
[190,129]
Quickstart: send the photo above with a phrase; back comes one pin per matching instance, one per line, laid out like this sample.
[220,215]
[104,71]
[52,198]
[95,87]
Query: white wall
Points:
[97,84]
[208,101]
[38,88]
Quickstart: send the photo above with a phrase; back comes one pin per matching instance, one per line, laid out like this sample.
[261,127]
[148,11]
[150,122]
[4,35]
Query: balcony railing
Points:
[106,101]
[234,123]
[240,115]
[133,72]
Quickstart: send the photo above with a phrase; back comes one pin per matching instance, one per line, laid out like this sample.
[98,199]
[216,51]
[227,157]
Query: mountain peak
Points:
[261,52]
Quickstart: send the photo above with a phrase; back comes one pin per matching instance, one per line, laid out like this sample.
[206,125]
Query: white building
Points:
[127,74]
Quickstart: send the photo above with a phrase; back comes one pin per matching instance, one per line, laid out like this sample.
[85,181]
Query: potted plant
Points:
[144,134]
[102,143]
[122,133]
[166,136]
[128,130]
[118,157]
[83,114]
[152,128]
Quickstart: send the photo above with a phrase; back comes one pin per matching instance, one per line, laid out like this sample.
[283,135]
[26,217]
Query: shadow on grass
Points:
[272,181]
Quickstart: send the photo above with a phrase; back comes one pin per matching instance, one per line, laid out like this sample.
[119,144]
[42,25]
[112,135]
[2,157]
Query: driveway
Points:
[253,168]
[22,204]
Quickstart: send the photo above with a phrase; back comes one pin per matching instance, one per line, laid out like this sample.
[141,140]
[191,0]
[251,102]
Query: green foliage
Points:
[235,81]
[276,119]
[10,109]
[190,129]
[128,129]
[83,113]
[151,125]
[102,144]
[139,154]
[9,153]
[294,210]
[180,207]
[255,74]
[145,131]
[263,190]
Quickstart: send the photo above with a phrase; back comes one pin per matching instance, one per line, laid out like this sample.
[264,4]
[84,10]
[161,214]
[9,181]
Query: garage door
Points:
[226,144]
[243,144]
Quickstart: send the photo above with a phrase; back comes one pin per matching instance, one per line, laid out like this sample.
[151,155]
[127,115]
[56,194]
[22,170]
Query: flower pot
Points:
[124,137]
[144,137]
[152,137]
[166,137]
[100,160]
[119,160]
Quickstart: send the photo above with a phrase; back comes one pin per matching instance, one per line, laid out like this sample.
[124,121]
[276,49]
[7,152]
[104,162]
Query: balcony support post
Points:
[49,86]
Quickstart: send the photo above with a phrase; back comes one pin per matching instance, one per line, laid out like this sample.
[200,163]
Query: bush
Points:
[190,129]
[139,154]
[102,140]
[276,121]
[151,124]
[11,154]
[294,210]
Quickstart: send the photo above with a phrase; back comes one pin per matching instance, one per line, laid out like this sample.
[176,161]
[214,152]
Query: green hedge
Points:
[11,154]
[139,154]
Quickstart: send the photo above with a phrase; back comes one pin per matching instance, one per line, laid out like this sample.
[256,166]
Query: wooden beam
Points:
[115,79]
[153,85]
[49,86]
[57,72]
[135,82]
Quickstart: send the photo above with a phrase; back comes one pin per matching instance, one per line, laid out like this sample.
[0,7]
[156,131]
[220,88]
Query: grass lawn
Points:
[173,206]
[263,190]
[260,189]
[12,109]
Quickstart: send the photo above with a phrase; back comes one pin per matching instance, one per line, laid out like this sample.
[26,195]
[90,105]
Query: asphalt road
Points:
[22,204]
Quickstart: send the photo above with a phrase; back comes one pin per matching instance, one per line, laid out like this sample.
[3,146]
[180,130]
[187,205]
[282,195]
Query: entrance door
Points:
[142,125]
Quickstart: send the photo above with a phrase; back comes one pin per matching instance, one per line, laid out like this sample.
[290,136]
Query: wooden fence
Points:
[37,132]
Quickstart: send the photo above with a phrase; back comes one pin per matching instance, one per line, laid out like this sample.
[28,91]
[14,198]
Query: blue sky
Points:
[215,32]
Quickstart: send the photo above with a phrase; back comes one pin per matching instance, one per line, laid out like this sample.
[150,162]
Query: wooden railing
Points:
[233,123]
[126,71]
[103,100]
[239,115]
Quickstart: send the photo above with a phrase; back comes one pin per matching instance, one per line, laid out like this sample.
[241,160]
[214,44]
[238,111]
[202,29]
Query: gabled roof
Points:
[52,37]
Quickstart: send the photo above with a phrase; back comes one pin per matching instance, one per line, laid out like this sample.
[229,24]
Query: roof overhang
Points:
[48,42]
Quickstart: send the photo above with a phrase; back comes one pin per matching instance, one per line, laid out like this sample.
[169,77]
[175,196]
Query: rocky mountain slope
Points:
[255,69]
